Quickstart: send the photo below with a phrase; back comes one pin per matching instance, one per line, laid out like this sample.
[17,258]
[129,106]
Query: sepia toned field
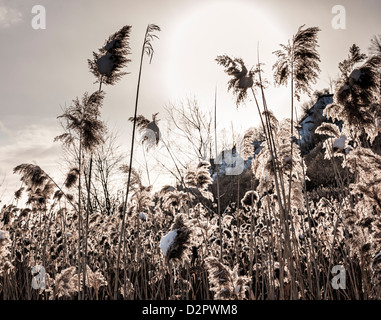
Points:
[289,211]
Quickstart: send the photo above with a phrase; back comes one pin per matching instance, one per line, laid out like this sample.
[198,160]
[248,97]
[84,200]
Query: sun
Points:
[223,27]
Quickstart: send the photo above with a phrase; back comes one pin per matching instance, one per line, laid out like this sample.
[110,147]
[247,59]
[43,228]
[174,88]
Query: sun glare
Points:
[214,29]
[129,171]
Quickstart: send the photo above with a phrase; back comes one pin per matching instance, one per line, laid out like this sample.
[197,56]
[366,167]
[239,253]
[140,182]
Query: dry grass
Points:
[277,235]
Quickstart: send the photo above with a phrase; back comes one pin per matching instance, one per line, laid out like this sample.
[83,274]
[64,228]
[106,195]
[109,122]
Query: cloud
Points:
[5,129]
[9,16]
[30,144]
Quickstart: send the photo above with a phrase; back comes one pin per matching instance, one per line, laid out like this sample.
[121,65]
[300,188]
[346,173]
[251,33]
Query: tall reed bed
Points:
[82,240]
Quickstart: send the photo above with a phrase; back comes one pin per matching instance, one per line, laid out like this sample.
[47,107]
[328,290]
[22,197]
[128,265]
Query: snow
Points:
[167,240]
[308,124]
[3,235]
[142,216]
[152,126]
[355,75]
[340,143]
[237,289]
[377,257]
[105,64]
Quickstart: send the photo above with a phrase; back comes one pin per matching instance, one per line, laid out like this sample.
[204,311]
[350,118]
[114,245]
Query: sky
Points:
[44,70]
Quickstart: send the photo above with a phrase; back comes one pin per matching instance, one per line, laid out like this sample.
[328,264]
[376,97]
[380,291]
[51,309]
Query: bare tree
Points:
[188,121]
[107,161]
[375,45]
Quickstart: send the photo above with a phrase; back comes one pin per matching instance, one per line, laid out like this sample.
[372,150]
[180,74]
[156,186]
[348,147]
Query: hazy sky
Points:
[43,70]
